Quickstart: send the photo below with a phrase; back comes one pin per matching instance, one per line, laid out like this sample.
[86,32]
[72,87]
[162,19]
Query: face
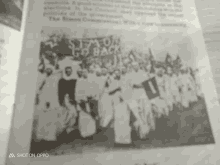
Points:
[48,71]
[136,68]
[104,72]
[68,71]
[169,70]
[124,71]
[117,75]
[85,74]
[111,72]
[98,74]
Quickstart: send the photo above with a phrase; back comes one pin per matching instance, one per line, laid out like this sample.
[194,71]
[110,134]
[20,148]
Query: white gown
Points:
[198,85]
[186,93]
[93,83]
[49,92]
[138,78]
[140,104]
[116,96]
[100,85]
[81,89]
[168,94]
[147,124]
[122,128]
[126,88]
[106,106]
[87,125]
[46,126]
[175,90]
[192,86]
[161,101]
[48,118]
[50,124]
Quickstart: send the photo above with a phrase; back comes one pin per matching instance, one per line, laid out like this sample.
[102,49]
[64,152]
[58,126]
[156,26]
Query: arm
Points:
[114,91]
[137,86]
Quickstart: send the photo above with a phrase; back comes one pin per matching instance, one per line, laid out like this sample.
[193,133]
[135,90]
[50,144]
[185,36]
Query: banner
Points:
[151,88]
[100,50]
[96,47]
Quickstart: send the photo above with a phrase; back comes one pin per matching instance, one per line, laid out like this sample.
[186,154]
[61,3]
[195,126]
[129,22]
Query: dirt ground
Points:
[183,127]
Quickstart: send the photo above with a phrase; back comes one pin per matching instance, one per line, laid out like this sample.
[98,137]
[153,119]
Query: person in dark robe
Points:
[67,85]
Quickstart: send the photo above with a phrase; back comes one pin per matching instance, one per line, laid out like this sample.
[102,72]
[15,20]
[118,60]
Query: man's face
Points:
[136,68]
[48,72]
[85,75]
[68,71]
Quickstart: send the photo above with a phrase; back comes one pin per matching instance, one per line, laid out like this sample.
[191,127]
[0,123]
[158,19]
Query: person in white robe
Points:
[148,104]
[185,93]
[192,90]
[122,127]
[180,87]
[193,87]
[174,90]
[87,125]
[46,129]
[197,79]
[169,98]
[132,99]
[41,80]
[163,94]
[51,122]
[48,105]
[143,101]
[106,102]
[102,96]
[160,102]
[154,106]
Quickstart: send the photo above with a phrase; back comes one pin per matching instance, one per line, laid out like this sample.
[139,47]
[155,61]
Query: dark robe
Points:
[66,87]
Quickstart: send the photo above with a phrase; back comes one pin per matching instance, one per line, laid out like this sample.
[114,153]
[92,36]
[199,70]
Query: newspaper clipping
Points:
[99,91]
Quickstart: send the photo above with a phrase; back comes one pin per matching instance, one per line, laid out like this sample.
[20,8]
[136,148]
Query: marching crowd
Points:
[85,99]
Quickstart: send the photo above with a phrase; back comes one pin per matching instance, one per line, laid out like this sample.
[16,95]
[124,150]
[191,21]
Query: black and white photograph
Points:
[108,90]
[11,13]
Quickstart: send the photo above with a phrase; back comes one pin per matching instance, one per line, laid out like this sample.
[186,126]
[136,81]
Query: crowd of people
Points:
[125,97]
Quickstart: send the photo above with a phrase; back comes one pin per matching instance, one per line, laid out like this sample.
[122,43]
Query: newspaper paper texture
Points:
[122,81]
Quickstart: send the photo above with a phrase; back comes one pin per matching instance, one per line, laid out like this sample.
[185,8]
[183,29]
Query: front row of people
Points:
[89,102]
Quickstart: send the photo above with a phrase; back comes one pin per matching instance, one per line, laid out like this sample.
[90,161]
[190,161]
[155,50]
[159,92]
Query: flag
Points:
[177,65]
[152,62]
[168,60]
[151,88]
